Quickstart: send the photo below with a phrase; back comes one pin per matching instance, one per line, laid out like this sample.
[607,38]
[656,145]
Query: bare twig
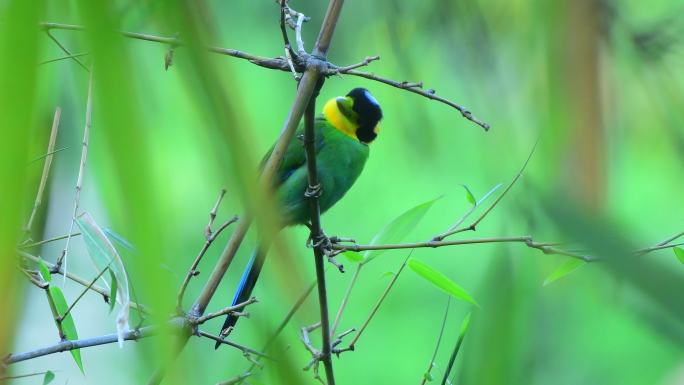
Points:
[345,299]
[352,344]
[417,89]
[5,378]
[236,380]
[210,236]
[59,238]
[244,349]
[465,216]
[439,342]
[525,239]
[90,285]
[65,50]
[365,62]
[46,170]
[212,215]
[81,171]
[285,64]
[36,281]
[76,55]
[222,312]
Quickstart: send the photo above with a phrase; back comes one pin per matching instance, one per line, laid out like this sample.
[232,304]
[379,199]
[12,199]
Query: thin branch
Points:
[352,344]
[47,154]
[283,30]
[244,349]
[416,88]
[38,282]
[671,239]
[466,215]
[345,299]
[473,225]
[525,239]
[344,70]
[90,285]
[65,50]
[81,171]
[212,214]
[283,64]
[210,236]
[439,342]
[59,238]
[22,376]
[236,380]
[76,55]
[78,344]
[102,291]
[46,169]
[222,312]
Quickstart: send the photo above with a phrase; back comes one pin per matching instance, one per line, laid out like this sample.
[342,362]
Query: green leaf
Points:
[104,255]
[353,256]
[679,253]
[469,196]
[68,326]
[440,280]
[428,376]
[112,290]
[387,274]
[398,229]
[44,271]
[49,376]
[564,269]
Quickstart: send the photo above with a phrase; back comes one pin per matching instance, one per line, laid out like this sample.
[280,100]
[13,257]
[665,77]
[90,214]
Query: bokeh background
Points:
[594,82]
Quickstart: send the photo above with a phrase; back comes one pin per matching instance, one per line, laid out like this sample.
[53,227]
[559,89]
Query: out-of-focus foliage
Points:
[595,81]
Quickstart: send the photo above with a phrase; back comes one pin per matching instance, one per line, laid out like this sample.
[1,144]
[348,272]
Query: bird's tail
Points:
[246,285]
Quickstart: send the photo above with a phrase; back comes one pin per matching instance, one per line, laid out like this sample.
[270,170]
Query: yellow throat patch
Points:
[337,119]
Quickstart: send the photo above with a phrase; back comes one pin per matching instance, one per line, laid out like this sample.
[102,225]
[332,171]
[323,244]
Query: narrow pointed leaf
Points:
[679,253]
[353,256]
[68,325]
[398,229]
[440,280]
[469,196]
[104,255]
[49,376]
[44,271]
[564,269]
[112,290]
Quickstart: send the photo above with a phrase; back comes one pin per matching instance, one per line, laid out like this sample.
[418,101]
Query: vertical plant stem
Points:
[345,299]
[81,171]
[46,169]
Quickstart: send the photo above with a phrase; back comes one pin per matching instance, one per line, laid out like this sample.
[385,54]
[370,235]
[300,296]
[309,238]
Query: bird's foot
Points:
[313,191]
[326,246]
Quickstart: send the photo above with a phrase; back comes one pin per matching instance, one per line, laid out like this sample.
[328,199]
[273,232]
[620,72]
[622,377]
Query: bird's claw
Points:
[313,191]
[325,244]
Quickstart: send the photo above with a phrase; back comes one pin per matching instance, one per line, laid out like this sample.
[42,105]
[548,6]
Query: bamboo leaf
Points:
[49,376]
[679,253]
[112,290]
[440,280]
[564,269]
[469,196]
[398,229]
[68,325]
[353,256]
[104,255]
[44,271]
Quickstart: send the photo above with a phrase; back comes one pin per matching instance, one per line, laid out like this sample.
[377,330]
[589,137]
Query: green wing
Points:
[295,157]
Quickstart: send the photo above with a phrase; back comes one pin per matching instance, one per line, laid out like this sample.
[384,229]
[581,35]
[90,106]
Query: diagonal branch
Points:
[46,169]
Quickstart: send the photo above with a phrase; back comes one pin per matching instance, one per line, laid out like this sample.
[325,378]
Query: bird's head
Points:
[357,114]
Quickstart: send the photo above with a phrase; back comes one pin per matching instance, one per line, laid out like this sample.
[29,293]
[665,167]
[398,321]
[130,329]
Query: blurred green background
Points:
[596,82]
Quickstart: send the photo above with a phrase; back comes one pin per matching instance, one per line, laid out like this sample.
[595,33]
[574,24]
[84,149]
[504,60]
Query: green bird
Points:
[343,132]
